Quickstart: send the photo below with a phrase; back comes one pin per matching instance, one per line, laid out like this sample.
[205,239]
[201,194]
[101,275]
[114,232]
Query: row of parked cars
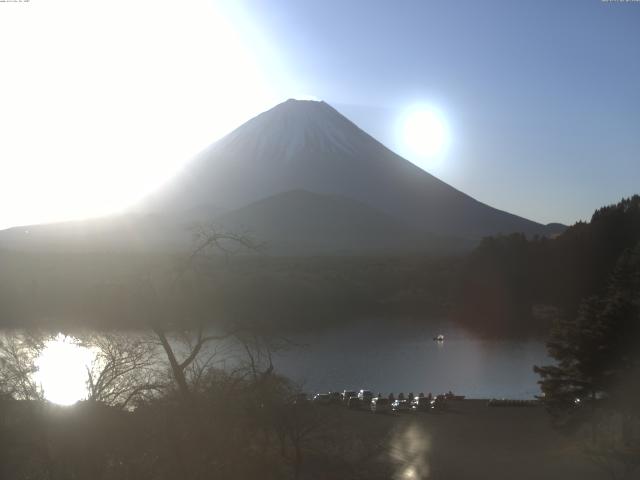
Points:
[378,403]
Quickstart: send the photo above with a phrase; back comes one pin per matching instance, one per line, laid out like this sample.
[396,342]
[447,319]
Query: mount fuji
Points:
[304,179]
[308,145]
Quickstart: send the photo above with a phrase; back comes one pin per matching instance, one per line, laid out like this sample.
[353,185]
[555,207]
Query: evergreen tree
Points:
[506,276]
[598,351]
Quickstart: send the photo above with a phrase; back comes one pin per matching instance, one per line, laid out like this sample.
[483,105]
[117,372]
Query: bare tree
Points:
[185,351]
[185,347]
[18,352]
[298,424]
[213,239]
[125,369]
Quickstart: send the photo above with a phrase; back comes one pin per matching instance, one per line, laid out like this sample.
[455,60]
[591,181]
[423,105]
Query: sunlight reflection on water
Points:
[62,368]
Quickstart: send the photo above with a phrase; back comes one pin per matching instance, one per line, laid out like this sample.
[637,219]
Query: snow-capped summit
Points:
[292,126]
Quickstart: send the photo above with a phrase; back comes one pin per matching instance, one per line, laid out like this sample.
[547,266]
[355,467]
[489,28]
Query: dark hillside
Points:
[508,279]
[114,290]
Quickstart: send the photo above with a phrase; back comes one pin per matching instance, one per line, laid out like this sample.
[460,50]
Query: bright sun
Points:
[63,370]
[107,100]
[425,135]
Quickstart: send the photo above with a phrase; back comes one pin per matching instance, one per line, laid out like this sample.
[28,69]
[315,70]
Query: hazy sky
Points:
[101,101]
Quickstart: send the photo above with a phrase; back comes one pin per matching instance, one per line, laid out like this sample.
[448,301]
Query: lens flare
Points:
[409,451]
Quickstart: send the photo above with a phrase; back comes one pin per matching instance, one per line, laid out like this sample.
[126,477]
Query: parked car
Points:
[438,403]
[365,395]
[380,405]
[400,406]
[322,398]
[421,404]
[347,394]
[353,403]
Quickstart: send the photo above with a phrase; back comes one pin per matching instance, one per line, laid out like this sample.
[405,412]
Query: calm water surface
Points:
[393,356]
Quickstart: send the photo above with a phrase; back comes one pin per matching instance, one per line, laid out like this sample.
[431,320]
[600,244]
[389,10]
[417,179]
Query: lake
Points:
[395,355]
[385,355]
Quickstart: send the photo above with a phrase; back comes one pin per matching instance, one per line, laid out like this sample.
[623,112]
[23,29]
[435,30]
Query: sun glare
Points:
[106,100]
[62,370]
[425,135]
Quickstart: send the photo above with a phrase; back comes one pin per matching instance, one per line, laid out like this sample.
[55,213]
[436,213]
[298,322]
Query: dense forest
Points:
[511,284]
[109,289]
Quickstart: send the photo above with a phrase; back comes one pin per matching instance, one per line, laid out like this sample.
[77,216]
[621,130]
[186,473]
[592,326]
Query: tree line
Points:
[512,284]
[589,278]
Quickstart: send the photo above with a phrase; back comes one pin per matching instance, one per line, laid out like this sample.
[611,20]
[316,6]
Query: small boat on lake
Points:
[438,338]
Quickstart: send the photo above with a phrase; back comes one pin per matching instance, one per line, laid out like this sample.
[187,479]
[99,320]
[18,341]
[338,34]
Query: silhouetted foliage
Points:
[18,351]
[239,423]
[597,350]
[597,375]
[507,279]
[125,369]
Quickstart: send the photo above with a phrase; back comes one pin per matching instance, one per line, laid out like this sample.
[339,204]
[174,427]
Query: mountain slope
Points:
[310,146]
[290,223]
[304,179]
[300,222]
[131,232]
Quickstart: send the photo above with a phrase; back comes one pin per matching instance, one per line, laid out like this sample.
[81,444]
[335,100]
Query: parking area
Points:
[469,439]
